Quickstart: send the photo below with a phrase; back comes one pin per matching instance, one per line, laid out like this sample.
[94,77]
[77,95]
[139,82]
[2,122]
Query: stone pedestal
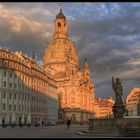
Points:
[118,111]
[115,126]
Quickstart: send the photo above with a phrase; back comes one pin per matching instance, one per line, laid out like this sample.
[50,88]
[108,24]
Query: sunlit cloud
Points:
[107,34]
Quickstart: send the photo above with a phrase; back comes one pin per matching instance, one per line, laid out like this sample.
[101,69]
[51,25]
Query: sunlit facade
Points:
[29,89]
[75,87]
[133,102]
[103,107]
[25,90]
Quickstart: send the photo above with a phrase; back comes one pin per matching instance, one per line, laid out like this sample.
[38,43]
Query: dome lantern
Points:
[60,25]
[60,15]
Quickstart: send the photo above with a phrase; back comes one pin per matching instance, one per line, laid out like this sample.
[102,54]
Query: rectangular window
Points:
[4,94]
[4,106]
[10,95]
[14,107]
[15,86]
[10,74]
[22,87]
[10,107]
[10,85]
[15,76]
[138,109]
[15,97]
[4,73]
[4,84]
[0,62]
[19,86]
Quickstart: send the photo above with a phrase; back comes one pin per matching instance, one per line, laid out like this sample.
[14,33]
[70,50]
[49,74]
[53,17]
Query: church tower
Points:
[61,62]
[60,49]
[60,23]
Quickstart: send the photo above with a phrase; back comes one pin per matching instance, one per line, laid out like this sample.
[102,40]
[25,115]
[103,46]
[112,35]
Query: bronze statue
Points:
[117,87]
[118,107]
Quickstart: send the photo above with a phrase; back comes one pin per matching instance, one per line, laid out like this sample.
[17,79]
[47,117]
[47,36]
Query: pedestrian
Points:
[42,123]
[3,124]
[68,123]
[81,123]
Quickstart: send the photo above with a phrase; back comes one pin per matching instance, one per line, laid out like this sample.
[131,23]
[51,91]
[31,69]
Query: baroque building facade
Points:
[133,102]
[75,88]
[103,107]
[27,93]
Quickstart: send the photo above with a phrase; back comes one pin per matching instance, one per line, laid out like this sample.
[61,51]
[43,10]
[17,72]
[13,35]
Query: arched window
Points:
[59,24]
[3,54]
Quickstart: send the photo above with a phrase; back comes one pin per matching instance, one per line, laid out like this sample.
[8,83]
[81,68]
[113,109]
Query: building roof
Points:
[103,102]
[60,15]
[134,92]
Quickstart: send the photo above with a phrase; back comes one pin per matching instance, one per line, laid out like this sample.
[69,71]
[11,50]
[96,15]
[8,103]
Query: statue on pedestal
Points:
[119,107]
[117,87]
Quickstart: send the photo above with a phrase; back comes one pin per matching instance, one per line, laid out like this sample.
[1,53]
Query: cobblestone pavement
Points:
[49,131]
[58,131]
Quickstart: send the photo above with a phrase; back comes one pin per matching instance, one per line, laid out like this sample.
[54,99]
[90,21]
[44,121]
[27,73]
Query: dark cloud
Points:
[106,33]
[101,39]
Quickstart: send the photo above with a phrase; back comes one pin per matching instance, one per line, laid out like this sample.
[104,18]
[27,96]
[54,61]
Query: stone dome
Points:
[58,51]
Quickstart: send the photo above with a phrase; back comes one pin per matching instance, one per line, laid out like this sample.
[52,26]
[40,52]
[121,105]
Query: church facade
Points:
[75,87]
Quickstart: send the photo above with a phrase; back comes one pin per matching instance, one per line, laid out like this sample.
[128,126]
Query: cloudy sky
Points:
[108,34]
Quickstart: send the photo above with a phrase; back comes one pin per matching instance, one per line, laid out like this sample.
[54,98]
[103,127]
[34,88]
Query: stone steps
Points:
[130,132]
[98,133]
[105,133]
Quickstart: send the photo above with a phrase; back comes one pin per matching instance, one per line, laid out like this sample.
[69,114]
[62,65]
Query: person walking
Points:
[68,123]
[42,123]
[81,123]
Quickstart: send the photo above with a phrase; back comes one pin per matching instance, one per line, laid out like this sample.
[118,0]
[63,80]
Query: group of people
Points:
[69,123]
[40,124]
